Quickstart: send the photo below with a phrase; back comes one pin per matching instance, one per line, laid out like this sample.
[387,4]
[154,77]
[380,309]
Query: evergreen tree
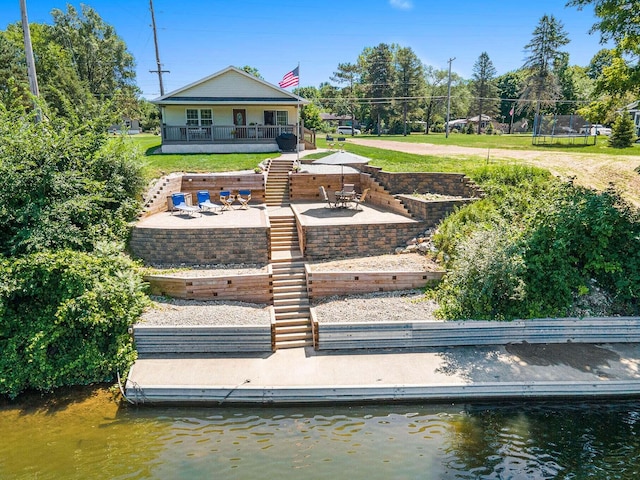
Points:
[622,132]
[378,77]
[541,87]
[484,89]
[348,73]
[410,81]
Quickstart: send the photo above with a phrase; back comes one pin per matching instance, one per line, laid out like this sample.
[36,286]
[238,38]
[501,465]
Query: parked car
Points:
[346,130]
[595,129]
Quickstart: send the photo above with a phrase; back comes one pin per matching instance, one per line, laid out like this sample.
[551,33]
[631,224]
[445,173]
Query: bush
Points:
[534,245]
[63,187]
[470,129]
[64,319]
[489,130]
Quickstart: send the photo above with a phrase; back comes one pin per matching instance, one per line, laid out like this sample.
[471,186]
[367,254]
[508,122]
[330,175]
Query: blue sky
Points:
[198,38]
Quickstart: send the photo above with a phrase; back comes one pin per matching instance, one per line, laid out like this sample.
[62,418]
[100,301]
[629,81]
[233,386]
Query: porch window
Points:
[199,117]
[276,117]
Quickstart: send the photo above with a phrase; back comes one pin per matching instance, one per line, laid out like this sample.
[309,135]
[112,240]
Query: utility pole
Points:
[28,50]
[449,98]
[159,71]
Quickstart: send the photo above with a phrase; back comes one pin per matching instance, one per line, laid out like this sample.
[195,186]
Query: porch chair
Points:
[348,187]
[325,197]
[361,198]
[179,201]
[226,199]
[204,201]
[244,196]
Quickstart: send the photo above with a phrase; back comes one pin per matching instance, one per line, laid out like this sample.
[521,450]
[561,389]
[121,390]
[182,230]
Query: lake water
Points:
[86,434]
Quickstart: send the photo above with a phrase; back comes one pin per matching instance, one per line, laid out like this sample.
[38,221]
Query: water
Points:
[86,434]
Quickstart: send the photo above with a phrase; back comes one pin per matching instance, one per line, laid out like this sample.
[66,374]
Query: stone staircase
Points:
[277,187]
[290,295]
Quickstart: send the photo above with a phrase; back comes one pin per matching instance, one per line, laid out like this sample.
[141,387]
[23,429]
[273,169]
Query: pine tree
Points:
[484,88]
[622,132]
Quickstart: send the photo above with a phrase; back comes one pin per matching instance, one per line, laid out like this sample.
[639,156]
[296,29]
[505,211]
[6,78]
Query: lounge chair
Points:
[244,196]
[226,199]
[204,201]
[361,198]
[325,197]
[180,203]
[348,187]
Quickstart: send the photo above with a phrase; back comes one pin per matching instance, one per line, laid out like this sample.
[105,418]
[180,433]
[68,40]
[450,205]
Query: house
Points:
[131,126]
[334,120]
[230,111]
[461,123]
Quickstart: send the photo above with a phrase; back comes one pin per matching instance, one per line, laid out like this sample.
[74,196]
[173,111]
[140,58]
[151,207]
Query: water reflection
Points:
[95,437]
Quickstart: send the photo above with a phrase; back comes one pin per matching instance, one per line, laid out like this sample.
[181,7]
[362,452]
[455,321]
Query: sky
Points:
[199,38]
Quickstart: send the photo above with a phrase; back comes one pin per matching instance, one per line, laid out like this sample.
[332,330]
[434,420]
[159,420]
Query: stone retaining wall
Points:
[333,241]
[456,184]
[200,246]
[432,211]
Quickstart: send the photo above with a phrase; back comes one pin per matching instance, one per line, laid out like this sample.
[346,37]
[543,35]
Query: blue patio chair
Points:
[180,203]
[226,199]
[244,196]
[204,201]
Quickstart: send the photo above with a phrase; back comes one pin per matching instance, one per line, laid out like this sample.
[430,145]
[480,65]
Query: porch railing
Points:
[223,133]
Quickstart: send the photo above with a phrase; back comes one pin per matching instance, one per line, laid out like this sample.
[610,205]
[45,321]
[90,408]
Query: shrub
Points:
[470,129]
[489,130]
[64,319]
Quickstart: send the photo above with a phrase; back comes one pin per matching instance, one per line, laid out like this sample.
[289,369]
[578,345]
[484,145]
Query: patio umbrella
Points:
[342,158]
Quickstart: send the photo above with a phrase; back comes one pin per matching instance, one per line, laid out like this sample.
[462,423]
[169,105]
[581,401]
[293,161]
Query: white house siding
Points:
[223,115]
[232,85]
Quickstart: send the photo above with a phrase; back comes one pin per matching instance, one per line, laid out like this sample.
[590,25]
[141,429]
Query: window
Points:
[197,117]
[276,117]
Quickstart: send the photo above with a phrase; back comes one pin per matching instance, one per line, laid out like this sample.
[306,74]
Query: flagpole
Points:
[513,109]
[298,121]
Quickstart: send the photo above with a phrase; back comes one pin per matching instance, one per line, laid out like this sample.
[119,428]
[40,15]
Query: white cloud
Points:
[401,4]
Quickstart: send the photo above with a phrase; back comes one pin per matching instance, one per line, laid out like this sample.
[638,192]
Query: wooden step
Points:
[294,344]
[296,286]
[299,296]
[287,337]
[292,315]
[290,322]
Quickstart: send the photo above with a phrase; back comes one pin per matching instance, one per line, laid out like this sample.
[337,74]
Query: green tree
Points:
[378,77]
[541,87]
[509,86]
[252,71]
[311,117]
[348,73]
[435,95]
[622,132]
[484,89]
[410,86]
[600,60]
[98,54]
[618,23]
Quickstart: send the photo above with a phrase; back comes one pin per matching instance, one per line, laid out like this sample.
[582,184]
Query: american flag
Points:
[291,79]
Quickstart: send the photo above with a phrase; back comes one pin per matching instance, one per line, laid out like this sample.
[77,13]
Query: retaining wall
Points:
[200,246]
[432,211]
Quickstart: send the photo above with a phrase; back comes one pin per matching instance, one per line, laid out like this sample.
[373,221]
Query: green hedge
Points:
[64,319]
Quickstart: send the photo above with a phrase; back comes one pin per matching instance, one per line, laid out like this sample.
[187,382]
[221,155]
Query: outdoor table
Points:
[344,198]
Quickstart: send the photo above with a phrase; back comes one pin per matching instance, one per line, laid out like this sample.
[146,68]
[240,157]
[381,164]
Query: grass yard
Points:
[510,142]
[158,165]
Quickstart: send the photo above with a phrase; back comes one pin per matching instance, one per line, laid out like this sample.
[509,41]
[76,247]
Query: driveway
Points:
[590,170]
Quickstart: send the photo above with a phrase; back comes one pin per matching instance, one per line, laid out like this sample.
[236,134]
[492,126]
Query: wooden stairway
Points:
[277,187]
[289,283]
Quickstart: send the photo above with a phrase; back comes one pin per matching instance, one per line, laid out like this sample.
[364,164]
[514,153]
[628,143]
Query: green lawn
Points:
[517,142]
[160,164]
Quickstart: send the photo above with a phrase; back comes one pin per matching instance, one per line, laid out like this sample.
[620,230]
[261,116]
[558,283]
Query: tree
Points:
[436,91]
[602,59]
[622,132]
[378,78]
[348,73]
[410,81]
[620,24]
[541,85]
[252,71]
[509,85]
[311,117]
[484,88]
[98,54]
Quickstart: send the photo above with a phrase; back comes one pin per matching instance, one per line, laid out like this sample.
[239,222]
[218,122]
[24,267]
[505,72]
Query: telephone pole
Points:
[449,98]
[28,50]
[159,71]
